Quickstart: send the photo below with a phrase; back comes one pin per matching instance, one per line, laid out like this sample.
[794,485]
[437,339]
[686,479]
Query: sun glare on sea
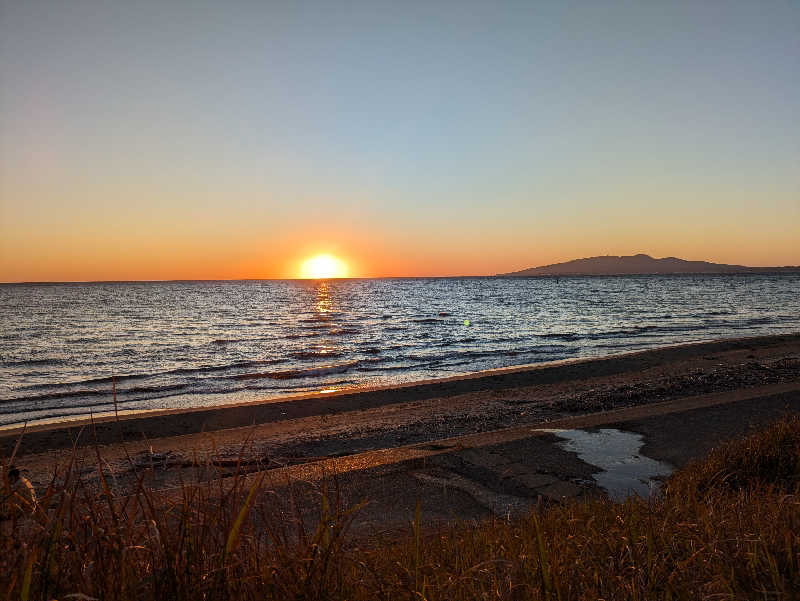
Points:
[323,266]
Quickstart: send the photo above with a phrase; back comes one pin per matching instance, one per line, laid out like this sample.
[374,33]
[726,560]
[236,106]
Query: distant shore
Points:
[471,402]
[642,264]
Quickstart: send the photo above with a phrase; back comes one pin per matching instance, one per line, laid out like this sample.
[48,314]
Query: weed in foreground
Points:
[727,527]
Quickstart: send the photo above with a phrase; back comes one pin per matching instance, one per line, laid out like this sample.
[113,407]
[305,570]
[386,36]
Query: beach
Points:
[378,469]
[310,428]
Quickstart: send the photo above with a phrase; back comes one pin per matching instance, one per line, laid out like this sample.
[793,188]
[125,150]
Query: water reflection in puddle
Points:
[617,453]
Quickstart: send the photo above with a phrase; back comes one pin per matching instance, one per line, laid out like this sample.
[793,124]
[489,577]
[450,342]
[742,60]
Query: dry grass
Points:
[725,528]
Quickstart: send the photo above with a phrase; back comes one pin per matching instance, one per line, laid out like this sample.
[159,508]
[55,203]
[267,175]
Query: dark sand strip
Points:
[505,471]
[774,400]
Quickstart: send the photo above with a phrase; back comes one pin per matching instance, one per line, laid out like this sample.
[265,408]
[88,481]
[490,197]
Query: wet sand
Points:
[302,429]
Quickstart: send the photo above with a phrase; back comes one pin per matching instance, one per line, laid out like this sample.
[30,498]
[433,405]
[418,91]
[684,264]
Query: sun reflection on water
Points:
[324,300]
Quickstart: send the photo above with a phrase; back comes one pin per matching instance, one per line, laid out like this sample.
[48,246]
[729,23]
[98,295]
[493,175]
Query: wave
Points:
[566,337]
[178,371]
[92,392]
[289,387]
[433,358]
[373,360]
[33,363]
[316,355]
[642,330]
[299,373]
[621,333]
[755,321]
[671,329]
[321,317]
[390,368]
[342,331]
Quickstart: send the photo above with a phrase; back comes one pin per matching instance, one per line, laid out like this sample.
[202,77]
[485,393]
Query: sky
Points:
[215,140]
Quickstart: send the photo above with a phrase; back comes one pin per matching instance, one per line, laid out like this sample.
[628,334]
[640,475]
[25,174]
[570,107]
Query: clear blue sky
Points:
[229,139]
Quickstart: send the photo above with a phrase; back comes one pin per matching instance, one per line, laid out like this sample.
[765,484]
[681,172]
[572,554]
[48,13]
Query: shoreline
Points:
[572,373]
[86,419]
[83,420]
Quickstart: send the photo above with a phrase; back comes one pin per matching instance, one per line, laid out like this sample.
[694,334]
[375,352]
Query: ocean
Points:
[192,344]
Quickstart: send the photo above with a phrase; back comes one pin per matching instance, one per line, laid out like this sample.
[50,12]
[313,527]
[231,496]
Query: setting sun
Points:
[323,266]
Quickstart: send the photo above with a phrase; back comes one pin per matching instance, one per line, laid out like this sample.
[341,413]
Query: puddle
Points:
[617,453]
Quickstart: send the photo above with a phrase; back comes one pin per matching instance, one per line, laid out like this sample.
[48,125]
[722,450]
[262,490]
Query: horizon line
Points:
[406,277]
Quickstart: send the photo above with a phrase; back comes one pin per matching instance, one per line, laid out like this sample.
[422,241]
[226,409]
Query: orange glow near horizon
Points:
[323,266]
[395,145]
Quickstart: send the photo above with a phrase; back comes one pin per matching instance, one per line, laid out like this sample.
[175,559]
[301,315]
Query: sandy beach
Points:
[312,427]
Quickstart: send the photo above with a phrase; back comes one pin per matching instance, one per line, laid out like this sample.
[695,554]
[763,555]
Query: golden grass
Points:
[727,527]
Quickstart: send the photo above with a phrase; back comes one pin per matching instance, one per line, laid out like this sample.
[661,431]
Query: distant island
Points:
[640,264]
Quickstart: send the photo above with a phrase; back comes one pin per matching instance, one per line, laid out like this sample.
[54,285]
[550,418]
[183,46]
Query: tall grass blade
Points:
[417,529]
[25,591]
[237,524]
[543,563]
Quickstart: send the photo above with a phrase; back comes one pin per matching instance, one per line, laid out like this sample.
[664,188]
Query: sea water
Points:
[190,344]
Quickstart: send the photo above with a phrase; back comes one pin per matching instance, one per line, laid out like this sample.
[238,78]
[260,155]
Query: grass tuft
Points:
[727,527]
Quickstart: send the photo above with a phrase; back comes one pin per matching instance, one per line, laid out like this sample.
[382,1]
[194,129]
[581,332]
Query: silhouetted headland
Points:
[641,264]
